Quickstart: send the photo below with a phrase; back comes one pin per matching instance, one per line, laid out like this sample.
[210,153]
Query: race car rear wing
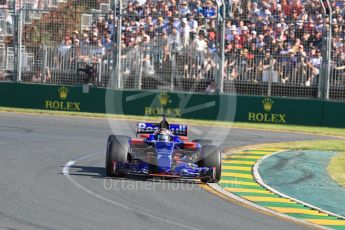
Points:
[150,128]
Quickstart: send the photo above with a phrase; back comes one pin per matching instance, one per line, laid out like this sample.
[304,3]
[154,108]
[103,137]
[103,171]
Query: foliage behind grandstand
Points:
[58,22]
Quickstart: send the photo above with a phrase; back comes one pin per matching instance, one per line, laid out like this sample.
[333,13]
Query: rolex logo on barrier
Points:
[163,109]
[268,103]
[63,91]
[62,105]
[163,99]
[267,116]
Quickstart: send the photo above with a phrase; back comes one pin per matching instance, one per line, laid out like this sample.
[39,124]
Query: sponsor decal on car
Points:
[143,127]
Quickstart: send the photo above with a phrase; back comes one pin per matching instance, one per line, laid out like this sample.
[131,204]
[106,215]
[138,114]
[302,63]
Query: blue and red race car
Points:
[163,150]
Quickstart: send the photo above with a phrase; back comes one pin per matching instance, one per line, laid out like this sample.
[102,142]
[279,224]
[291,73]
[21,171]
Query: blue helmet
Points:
[163,135]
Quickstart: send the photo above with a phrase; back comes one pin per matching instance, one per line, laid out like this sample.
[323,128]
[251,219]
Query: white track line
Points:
[66,172]
[66,168]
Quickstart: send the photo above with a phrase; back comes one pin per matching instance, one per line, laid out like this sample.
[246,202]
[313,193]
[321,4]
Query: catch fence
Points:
[246,47]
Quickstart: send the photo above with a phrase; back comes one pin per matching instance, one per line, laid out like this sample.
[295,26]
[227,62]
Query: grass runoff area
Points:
[336,168]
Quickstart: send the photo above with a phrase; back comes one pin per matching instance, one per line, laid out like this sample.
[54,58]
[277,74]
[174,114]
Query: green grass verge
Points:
[272,127]
[322,145]
[336,168]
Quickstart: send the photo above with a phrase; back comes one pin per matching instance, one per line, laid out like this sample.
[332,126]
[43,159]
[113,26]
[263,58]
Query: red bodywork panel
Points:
[137,141]
[145,135]
[183,138]
[163,175]
[190,145]
[186,145]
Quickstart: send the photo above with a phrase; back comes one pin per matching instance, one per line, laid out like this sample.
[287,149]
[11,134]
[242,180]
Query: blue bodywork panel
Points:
[164,152]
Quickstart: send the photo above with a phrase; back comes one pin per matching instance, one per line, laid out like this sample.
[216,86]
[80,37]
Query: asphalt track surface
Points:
[35,194]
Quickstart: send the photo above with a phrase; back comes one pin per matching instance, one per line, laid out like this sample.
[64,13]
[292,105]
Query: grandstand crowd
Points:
[282,39]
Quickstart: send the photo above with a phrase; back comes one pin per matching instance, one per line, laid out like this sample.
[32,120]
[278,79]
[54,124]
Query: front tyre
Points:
[116,155]
[211,158]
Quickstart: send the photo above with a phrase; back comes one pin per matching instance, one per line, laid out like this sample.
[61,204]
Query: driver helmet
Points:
[163,135]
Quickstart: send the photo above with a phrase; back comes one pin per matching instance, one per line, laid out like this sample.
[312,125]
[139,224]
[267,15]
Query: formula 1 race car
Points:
[163,150]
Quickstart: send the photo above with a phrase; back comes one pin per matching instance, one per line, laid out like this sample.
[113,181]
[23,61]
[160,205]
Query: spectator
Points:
[65,46]
[75,36]
[63,52]
[198,9]
[174,41]
[184,9]
[209,66]
[145,51]
[314,64]
[209,11]
[108,43]
[40,77]
[193,25]
[94,40]
[98,51]
[185,32]
[211,87]
[75,52]
[198,51]
[2,76]
[85,45]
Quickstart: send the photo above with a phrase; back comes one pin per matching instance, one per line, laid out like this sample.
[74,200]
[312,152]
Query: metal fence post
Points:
[113,79]
[16,58]
[20,40]
[220,80]
[138,79]
[325,70]
[322,72]
[116,73]
[173,71]
[329,54]
[270,73]
[45,56]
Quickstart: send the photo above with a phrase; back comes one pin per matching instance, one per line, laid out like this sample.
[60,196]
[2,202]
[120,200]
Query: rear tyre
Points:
[211,158]
[117,152]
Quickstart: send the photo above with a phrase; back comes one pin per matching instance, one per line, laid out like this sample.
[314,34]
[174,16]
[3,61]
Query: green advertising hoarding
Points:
[182,105]
[279,110]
